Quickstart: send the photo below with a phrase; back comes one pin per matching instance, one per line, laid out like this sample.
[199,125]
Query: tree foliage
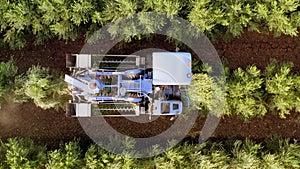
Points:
[206,95]
[68,156]
[249,93]
[275,152]
[8,71]
[282,88]
[217,18]
[232,17]
[45,89]
[170,7]
[23,153]
[245,93]
[43,19]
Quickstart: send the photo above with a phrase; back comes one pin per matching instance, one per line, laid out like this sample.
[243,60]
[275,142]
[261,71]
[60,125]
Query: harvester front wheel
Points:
[70,110]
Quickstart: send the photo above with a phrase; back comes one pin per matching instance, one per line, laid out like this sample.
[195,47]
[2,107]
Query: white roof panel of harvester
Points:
[172,68]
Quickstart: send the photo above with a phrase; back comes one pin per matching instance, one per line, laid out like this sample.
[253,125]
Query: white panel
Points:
[171,68]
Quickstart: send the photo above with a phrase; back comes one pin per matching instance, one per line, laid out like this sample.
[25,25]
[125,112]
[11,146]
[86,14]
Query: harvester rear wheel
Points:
[70,60]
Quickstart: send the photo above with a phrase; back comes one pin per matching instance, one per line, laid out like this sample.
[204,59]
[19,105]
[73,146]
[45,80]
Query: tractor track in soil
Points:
[52,127]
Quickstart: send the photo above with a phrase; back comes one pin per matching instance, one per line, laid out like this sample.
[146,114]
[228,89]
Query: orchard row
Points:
[64,19]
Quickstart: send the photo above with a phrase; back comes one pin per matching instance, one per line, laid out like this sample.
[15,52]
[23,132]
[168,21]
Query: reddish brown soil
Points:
[254,48]
[51,54]
[51,127]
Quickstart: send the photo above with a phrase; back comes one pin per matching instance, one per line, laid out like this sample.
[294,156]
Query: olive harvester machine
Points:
[128,85]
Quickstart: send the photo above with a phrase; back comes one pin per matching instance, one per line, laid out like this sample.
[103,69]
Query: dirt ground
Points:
[52,127]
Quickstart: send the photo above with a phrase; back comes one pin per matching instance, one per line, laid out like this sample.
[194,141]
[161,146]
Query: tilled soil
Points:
[52,127]
[256,49]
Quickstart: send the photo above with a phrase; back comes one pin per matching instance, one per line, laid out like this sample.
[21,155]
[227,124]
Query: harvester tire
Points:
[70,110]
[70,60]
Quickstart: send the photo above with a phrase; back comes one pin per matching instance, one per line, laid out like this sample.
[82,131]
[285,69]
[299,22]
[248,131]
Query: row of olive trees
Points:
[46,89]
[249,93]
[64,18]
[273,153]
[232,17]
[43,19]
[218,18]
